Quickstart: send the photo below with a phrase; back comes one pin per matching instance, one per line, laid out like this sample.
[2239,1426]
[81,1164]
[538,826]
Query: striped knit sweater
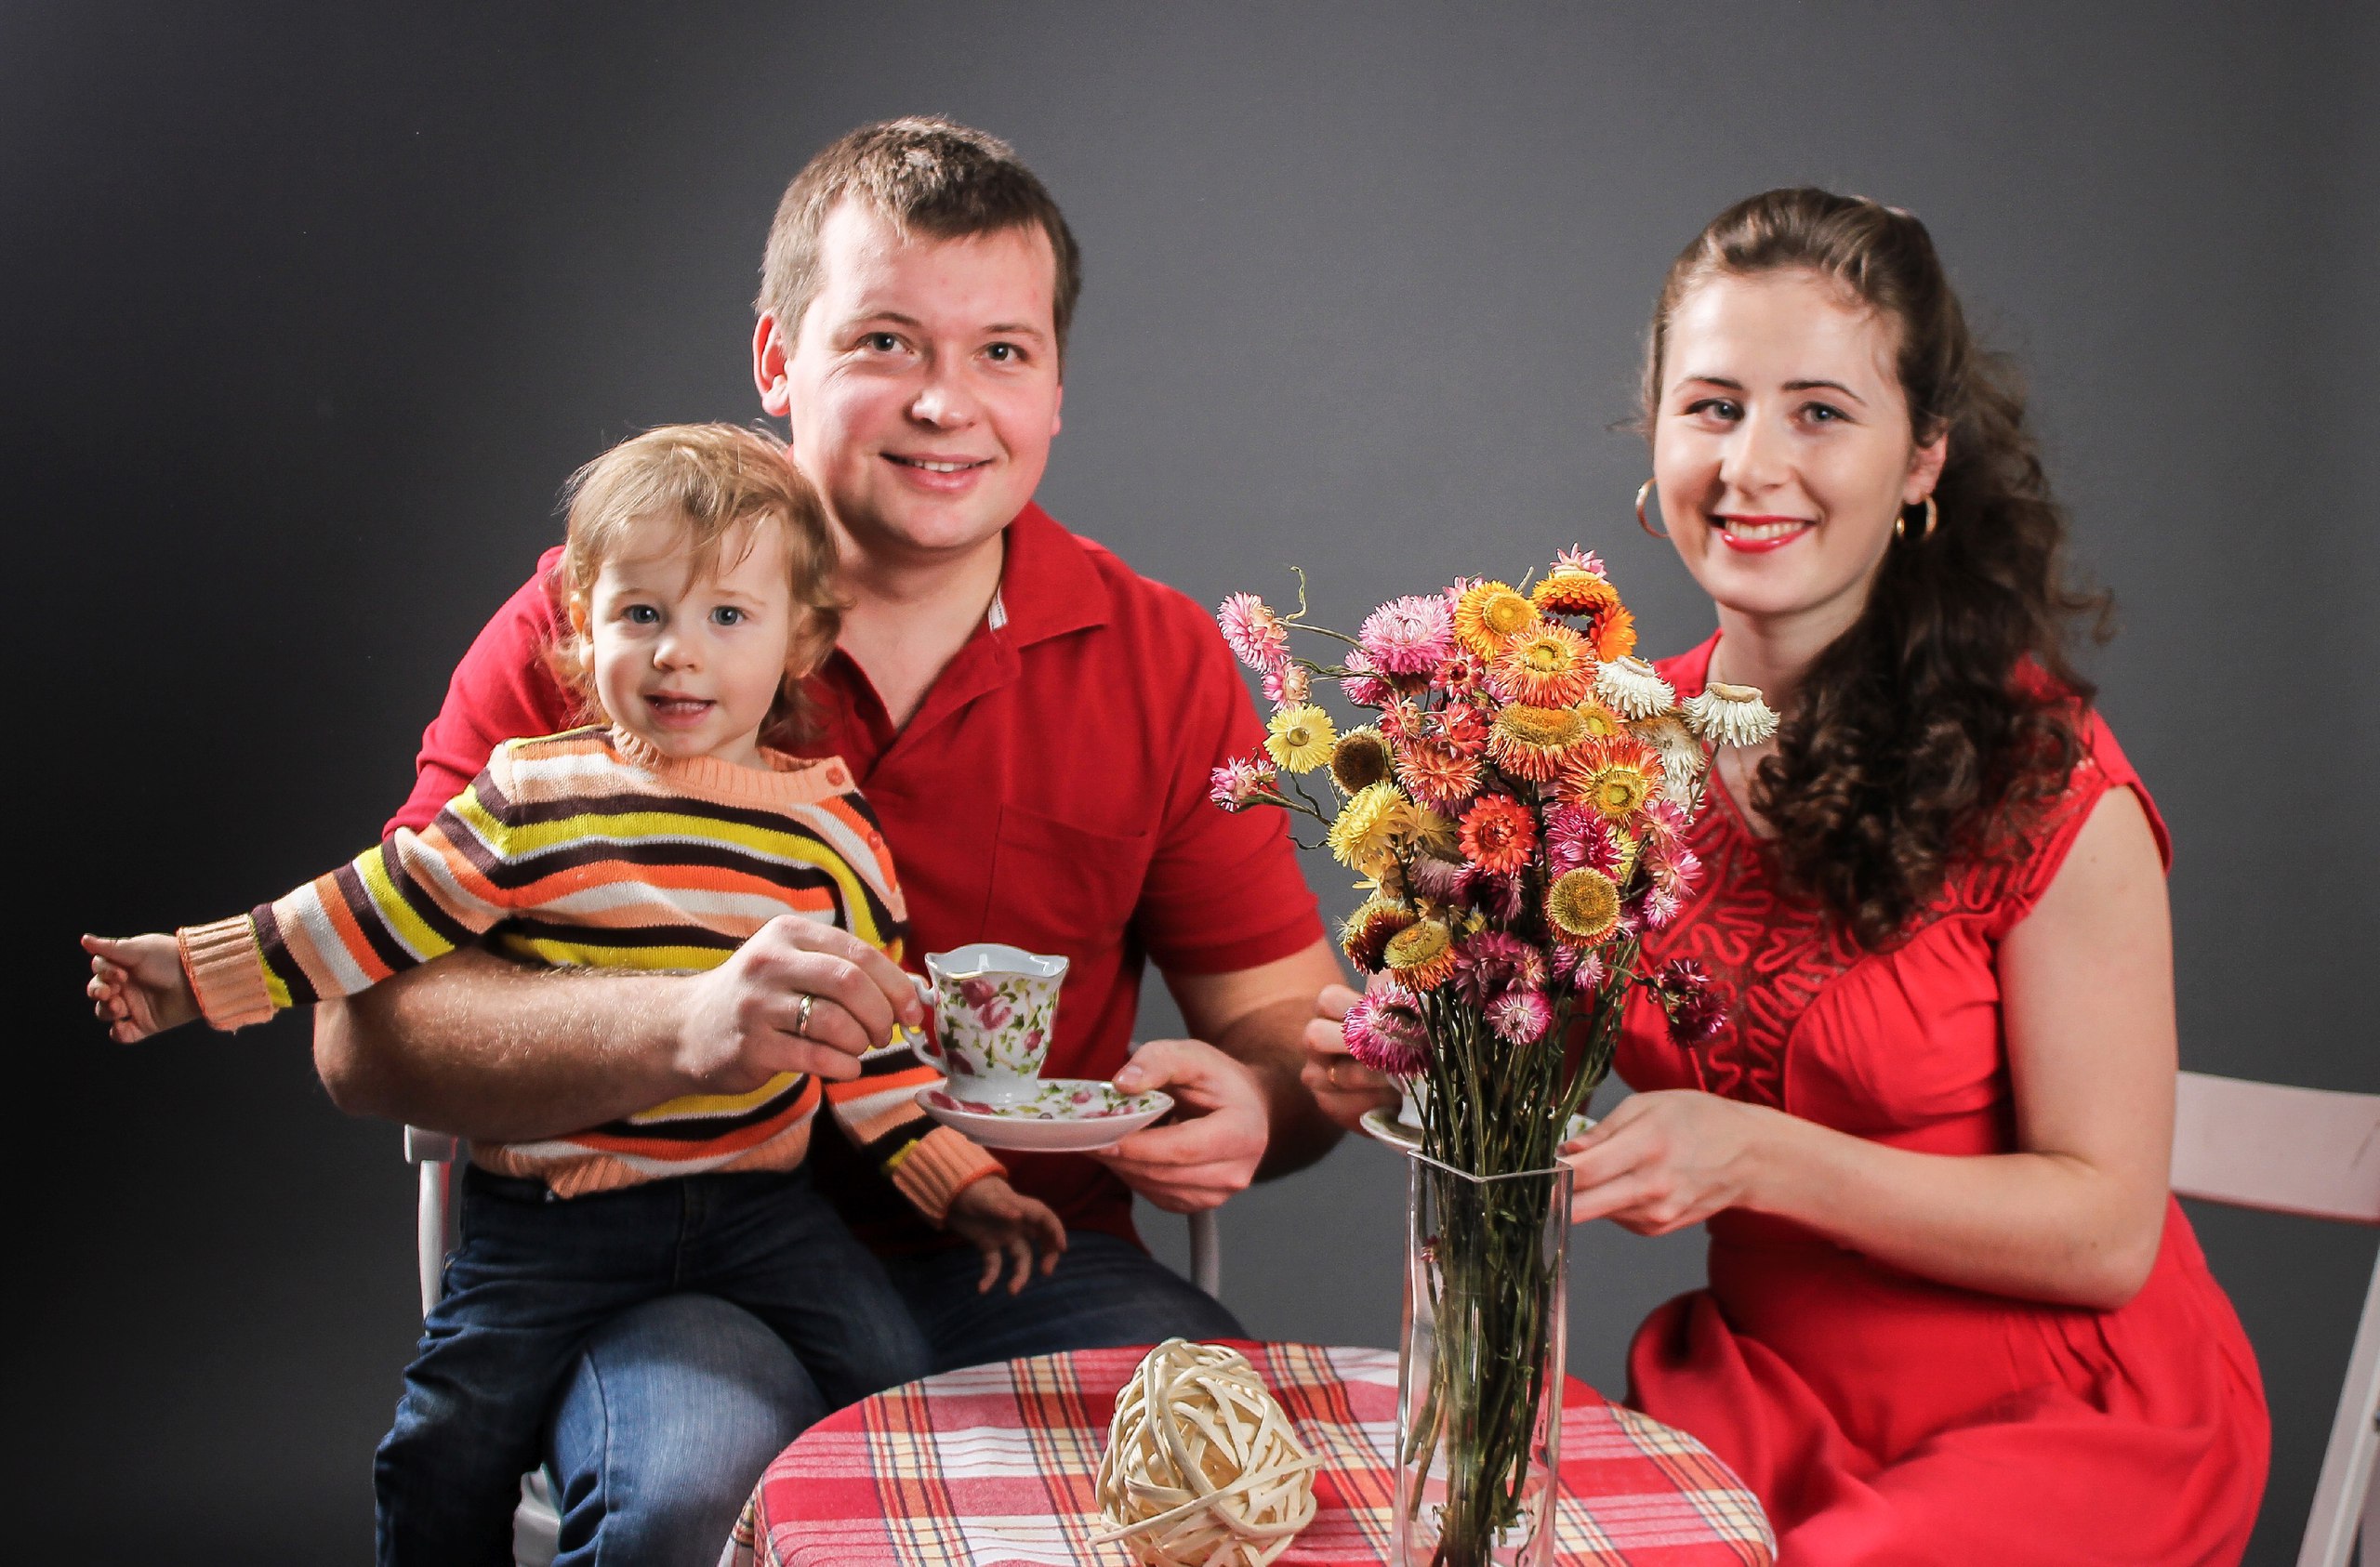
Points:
[592,849]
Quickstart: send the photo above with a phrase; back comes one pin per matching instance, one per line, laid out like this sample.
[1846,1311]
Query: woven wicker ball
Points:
[1201,1468]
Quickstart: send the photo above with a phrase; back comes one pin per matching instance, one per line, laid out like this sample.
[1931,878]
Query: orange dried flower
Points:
[1499,834]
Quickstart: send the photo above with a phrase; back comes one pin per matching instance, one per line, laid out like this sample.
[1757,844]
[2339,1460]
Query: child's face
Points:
[692,664]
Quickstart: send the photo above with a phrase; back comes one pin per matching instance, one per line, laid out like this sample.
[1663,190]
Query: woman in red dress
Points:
[1954,1314]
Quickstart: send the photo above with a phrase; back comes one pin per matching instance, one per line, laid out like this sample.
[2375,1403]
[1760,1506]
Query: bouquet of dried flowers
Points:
[1517,812]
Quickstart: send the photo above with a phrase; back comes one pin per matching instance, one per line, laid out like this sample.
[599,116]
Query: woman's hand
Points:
[1662,1160]
[137,987]
[1344,1087]
[1003,1224]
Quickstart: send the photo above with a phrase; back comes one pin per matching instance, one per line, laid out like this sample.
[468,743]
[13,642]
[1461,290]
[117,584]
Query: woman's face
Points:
[1783,448]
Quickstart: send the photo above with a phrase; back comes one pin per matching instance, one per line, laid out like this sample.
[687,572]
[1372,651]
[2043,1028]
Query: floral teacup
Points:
[993,1007]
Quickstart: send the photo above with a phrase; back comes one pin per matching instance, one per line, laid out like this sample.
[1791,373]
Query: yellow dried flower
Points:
[1421,955]
[1583,907]
[1301,738]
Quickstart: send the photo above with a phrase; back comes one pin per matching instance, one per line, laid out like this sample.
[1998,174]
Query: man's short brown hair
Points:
[929,176]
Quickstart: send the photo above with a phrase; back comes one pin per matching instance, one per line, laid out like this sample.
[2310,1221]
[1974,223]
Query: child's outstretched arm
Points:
[1007,1226]
[137,987]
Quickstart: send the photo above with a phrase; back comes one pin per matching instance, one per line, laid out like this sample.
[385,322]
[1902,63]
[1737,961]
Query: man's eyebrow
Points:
[996,329]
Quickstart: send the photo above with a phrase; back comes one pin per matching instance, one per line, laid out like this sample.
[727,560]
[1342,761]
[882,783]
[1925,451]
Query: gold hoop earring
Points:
[1644,490]
[1933,516]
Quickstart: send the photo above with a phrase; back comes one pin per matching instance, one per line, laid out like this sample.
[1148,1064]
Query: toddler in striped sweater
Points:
[697,570]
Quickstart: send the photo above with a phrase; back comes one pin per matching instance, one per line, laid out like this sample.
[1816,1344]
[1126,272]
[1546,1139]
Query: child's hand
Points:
[1003,1222]
[137,987]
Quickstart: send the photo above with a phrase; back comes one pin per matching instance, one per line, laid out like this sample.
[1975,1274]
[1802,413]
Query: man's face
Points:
[922,389]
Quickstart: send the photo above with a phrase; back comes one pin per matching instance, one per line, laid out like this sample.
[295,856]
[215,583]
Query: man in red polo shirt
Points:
[1035,725]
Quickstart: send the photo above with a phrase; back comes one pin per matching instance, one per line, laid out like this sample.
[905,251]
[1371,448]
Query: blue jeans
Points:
[676,1407]
[535,1292]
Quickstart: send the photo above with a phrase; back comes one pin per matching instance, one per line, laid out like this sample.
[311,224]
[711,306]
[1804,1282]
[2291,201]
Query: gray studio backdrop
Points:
[1367,287]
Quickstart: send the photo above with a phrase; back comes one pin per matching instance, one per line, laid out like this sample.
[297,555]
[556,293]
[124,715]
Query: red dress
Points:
[1882,1418]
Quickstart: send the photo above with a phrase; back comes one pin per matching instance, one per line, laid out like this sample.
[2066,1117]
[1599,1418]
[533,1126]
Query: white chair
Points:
[536,1526]
[2302,1150]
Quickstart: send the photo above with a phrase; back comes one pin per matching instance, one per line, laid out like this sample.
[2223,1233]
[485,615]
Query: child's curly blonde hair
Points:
[709,479]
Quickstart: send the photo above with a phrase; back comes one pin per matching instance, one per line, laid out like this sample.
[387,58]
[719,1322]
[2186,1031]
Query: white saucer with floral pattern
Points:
[1068,1115]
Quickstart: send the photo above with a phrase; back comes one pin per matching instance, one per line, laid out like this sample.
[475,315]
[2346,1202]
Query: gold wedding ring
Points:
[801,1018]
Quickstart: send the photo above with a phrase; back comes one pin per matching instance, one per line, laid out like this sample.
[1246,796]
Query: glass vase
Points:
[1479,1373]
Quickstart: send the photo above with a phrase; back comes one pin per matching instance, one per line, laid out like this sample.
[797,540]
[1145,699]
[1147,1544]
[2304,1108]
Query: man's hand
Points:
[137,987]
[743,1021]
[1200,1160]
[1344,1087]
[1003,1224]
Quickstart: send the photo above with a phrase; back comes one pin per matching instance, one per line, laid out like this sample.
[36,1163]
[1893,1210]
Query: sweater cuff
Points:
[938,1166]
[226,971]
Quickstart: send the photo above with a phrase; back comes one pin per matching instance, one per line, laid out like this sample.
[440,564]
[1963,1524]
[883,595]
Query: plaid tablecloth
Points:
[994,1465]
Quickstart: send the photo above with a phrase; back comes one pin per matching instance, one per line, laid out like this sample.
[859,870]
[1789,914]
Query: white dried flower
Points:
[1727,715]
[1629,687]
[1683,758]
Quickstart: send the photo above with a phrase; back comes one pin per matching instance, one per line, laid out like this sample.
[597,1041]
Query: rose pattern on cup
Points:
[994,1010]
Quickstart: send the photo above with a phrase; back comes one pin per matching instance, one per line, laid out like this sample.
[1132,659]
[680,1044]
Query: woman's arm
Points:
[2075,1215]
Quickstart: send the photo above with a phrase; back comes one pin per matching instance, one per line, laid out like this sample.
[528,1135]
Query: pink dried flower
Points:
[1520,1017]
[1241,782]
[1671,866]
[1288,686]
[1501,898]
[1363,684]
[1438,881]
[1258,635]
[1491,963]
[1577,559]
[1576,836]
[1664,820]
[1582,966]
[1656,907]
[1409,636]
[1688,999]
[1386,1031]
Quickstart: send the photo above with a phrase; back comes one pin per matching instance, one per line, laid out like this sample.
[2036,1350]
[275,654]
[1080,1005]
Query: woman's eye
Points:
[1717,407]
[727,614]
[1822,413]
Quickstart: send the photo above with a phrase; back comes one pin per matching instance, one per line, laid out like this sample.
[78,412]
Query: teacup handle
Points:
[928,1038]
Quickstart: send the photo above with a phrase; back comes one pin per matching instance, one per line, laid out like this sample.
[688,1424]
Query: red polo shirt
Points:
[1050,791]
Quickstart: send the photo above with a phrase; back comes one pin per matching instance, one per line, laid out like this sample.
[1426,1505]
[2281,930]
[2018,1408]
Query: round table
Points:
[995,1463]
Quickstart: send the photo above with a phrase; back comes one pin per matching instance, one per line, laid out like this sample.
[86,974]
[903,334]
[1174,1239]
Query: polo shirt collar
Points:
[1049,584]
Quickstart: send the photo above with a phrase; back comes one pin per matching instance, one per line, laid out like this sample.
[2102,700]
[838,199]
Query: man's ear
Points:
[1057,409]
[769,355]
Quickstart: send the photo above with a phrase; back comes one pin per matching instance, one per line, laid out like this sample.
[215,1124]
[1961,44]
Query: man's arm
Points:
[1240,1071]
[484,1048]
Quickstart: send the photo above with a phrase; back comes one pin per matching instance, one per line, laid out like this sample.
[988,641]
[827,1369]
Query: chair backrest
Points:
[2283,1150]
[2302,1150]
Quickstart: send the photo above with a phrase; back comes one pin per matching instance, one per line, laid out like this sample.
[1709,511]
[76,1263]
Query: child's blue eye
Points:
[727,614]
[641,614]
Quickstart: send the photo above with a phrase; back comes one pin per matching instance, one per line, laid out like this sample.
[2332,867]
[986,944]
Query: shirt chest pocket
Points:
[1061,889]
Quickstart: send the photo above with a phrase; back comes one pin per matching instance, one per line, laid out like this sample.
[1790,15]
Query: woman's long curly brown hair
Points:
[1926,733]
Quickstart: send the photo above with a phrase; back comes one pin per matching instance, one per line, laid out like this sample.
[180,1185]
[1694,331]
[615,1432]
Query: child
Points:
[662,839]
